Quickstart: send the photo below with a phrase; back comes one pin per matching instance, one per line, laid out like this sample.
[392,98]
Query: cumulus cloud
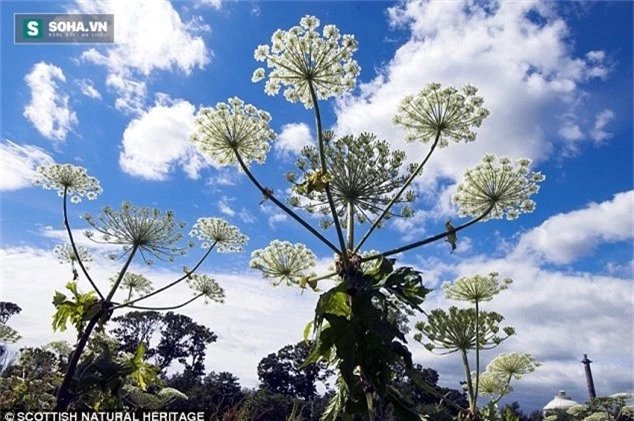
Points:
[601,120]
[48,110]
[19,163]
[158,140]
[563,238]
[294,137]
[150,36]
[88,88]
[525,70]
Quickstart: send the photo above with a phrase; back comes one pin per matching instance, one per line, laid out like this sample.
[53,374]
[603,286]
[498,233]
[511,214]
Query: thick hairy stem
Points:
[185,276]
[72,243]
[350,226]
[124,269]
[467,371]
[427,240]
[64,397]
[391,203]
[280,205]
[477,350]
[324,171]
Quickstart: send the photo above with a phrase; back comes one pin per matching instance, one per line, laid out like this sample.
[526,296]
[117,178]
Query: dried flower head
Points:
[69,179]
[208,287]
[513,364]
[284,261]
[134,283]
[496,186]
[476,288]
[66,254]
[362,171]
[233,128]
[149,230]
[227,238]
[446,112]
[302,56]
[456,330]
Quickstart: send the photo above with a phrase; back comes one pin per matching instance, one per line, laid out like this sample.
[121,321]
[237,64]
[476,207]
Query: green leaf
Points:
[307,329]
[333,302]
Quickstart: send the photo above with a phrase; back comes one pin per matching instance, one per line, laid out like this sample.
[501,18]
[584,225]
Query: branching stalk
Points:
[72,243]
[124,269]
[409,181]
[267,193]
[324,171]
[164,308]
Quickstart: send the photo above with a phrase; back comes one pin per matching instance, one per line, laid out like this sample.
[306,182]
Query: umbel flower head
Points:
[69,179]
[445,112]
[456,331]
[134,283]
[66,254]
[233,128]
[493,384]
[207,287]
[283,261]
[363,172]
[302,56]
[513,364]
[476,288]
[227,238]
[149,230]
[495,185]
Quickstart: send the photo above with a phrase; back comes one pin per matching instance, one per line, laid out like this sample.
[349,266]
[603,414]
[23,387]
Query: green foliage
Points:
[77,309]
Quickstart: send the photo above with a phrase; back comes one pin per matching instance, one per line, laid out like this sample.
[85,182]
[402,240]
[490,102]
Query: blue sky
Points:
[556,76]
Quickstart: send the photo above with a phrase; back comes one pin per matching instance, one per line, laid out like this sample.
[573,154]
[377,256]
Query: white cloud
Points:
[18,164]
[88,88]
[48,110]
[526,73]
[223,206]
[570,131]
[293,138]
[158,140]
[216,4]
[602,119]
[149,36]
[563,238]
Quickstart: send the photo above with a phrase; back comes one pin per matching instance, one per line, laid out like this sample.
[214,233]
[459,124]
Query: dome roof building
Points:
[561,402]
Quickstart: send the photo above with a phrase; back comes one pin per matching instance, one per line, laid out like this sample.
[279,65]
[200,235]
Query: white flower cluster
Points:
[134,282]
[66,254]
[68,179]
[227,238]
[149,230]
[446,112]
[301,57]
[208,287]
[495,381]
[233,129]
[476,288]
[496,186]
[284,261]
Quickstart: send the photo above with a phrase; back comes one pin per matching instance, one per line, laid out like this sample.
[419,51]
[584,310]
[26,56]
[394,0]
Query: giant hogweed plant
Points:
[141,233]
[352,181]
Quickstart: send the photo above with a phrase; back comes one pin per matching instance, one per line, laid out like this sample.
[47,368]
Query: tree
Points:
[136,327]
[354,180]
[7,333]
[216,392]
[8,310]
[141,232]
[283,372]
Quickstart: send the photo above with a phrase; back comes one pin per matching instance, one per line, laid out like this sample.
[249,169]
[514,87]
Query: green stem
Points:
[186,275]
[411,178]
[427,240]
[465,363]
[123,271]
[324,171]
[477,350]
[350,226]
[164,308]
[289,212]
[72,243]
